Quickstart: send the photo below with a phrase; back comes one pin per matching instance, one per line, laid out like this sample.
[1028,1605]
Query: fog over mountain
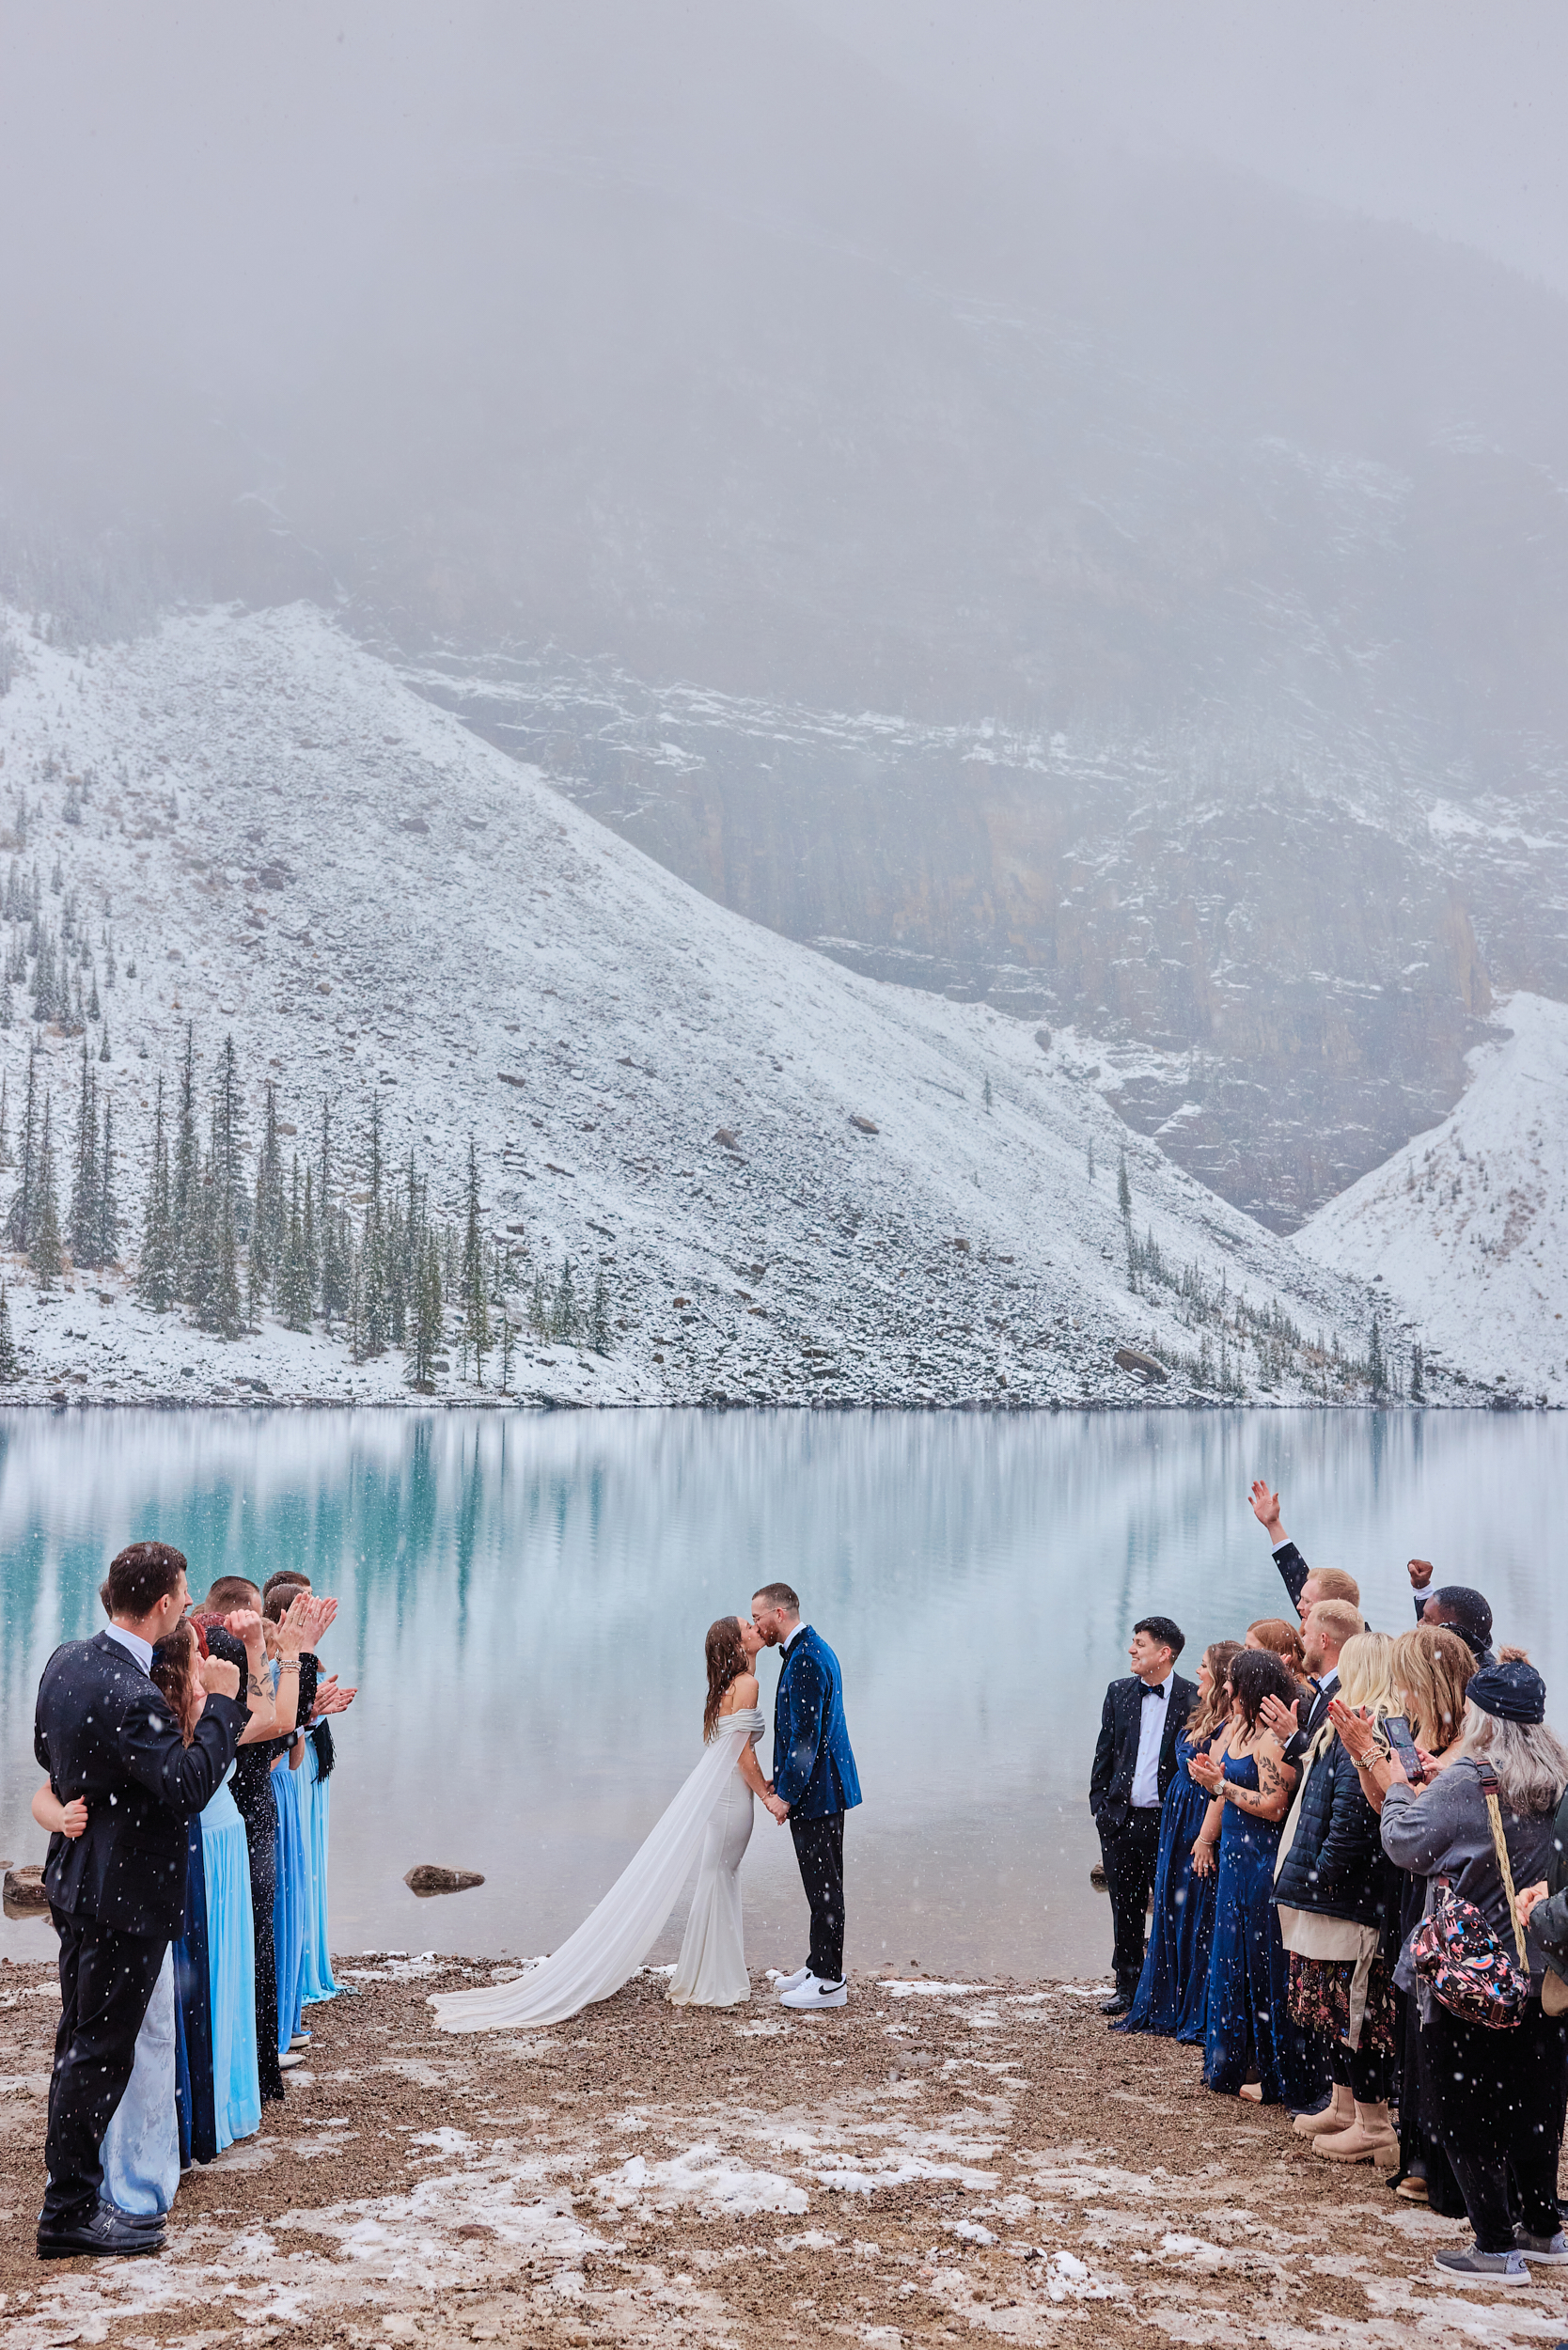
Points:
[1090,578]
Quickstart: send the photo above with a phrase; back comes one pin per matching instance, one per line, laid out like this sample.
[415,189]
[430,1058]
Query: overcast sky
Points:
[1448,114]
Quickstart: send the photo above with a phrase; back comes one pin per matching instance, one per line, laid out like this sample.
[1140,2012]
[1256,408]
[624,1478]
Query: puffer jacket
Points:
[1335,1865]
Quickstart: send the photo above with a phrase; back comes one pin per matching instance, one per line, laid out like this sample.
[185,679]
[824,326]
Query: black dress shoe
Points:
[104,2234]
[1119,2006]
[143,2220]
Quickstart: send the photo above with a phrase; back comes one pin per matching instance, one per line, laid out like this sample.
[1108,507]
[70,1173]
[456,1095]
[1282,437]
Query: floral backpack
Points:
[1458,1956]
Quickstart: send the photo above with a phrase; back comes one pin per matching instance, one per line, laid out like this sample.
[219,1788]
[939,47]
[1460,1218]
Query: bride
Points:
[711,1816]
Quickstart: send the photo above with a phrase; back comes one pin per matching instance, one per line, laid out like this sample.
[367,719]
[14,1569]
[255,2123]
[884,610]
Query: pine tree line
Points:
[229,1248]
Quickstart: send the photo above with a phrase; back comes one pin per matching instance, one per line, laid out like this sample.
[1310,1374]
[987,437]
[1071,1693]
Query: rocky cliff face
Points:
[1290,970]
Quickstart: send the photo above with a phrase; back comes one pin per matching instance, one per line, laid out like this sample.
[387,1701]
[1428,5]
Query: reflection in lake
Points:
[523,1601]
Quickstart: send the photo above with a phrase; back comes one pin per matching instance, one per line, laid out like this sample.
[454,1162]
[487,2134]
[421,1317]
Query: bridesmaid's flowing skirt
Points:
[316,1980]
[230,1972]
[1174,1982]
[1250,2028]
[292,1899]
[140,2149]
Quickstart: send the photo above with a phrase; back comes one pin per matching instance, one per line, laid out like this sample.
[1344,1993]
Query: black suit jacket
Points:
[1110,1782]
[101,1729]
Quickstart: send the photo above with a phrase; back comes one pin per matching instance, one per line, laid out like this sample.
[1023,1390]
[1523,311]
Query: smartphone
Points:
[1398,1732]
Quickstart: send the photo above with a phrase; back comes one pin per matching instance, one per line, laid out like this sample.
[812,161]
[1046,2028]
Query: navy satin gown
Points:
[1172,1994]
[1249,2032]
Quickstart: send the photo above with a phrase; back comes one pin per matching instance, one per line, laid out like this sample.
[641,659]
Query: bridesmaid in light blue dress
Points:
[230,1948]
[317,1979]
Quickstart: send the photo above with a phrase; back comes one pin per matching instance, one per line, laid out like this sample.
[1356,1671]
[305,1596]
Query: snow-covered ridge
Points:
[802,1184]
[1467,1224]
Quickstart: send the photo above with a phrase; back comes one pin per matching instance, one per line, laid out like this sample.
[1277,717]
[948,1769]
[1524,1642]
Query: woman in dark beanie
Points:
[1500,2094]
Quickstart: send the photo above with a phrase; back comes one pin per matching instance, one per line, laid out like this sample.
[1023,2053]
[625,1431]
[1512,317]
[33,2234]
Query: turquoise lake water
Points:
[525,1597]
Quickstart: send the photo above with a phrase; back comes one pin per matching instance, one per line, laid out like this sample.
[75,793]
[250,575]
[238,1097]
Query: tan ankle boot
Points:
[1371,2137]
[1338,2115]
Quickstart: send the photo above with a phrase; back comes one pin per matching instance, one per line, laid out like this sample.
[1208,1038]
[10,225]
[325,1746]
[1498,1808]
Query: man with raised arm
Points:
[1455,1605]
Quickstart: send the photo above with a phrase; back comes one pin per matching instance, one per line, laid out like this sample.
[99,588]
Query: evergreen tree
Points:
[104,1044]
[1418,1374]
[95,1010]
[476,1309]
[8,1003]
[1123,1189]
[155,1275]
[271,1218]
[19,1222]
[986,1094]
[1377,1370]
[426,1338]
[43,1249]
[229,1139]
[1092,1158]
[598,1317]
[5,1159]
[223,1303]
[261,1271]
[508,1347]
[564,1319]
[83,1217]
[106,1236]
[374,1304]
[293,1276]
[10,1362]
[187,1167]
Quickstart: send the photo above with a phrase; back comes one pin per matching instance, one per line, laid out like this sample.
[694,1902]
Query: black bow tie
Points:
[1154,1689]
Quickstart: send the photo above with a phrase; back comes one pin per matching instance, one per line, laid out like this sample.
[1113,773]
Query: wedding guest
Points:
[236,2076]
[293,1889]
[117,1892]
[1306,1585]
[1134,1762]
[1172,1991]
[1335,1890]
[257,1808]
[1252,2047]
[317,1982]
[1455,1605]
[1327,1624]
[1499,2096]
[1429,1667]
[1281,1639]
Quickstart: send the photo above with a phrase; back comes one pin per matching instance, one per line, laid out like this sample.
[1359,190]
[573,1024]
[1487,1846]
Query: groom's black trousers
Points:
[820,1851]
[1130,1855]
[107,1979]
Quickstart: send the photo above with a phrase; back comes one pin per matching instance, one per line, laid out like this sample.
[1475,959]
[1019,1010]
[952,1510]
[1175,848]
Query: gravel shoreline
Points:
[936,2162]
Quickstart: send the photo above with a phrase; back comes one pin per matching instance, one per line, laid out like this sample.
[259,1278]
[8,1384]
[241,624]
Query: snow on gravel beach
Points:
[802,1185]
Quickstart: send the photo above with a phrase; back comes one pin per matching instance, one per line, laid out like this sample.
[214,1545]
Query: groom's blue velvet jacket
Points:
[813,1770]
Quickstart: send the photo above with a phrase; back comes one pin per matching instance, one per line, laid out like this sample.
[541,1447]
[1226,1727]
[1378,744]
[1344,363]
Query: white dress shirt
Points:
[784,1643]
[132,1643]
[1146,1777]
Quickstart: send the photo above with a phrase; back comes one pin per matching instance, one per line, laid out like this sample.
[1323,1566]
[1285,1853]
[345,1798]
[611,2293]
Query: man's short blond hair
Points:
[1337,1618]
[1333,1583]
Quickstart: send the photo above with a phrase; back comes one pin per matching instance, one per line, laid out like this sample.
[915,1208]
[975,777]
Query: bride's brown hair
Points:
[727,1661]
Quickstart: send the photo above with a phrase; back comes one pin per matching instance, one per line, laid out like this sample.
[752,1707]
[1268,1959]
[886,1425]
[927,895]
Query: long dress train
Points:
[1172,1991]
[710,1970]
[1250,2028]
[613,1940]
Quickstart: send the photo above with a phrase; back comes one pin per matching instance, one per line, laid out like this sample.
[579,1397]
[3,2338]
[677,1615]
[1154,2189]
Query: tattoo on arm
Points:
[1268,1775]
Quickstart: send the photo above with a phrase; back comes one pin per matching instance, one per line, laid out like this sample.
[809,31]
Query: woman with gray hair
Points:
[1500,2094]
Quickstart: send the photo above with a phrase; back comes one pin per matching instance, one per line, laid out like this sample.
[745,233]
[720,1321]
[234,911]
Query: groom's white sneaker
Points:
[782,1983]
[813,1993]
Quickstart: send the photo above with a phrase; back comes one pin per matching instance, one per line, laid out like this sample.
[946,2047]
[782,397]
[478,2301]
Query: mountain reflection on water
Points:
[524,1599]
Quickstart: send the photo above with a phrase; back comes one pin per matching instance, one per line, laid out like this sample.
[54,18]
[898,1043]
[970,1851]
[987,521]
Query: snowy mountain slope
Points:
[1467,1224]
[294,849]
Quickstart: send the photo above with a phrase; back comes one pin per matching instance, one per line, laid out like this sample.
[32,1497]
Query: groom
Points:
[814,1785]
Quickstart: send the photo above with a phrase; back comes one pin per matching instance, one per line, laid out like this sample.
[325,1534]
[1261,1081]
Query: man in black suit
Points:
[1133,1764]
[102,1732]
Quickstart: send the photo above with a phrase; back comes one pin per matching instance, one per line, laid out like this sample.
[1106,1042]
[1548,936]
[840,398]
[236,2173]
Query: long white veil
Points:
[613,1940]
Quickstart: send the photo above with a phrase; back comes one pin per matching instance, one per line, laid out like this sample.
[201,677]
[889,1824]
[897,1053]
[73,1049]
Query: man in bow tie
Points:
[1133,1764]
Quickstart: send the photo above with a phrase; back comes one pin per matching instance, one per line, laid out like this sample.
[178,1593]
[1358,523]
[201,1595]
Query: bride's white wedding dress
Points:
[709,1817]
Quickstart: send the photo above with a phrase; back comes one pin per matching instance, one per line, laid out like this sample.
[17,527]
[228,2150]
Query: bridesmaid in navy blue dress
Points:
[1172,1991]
[1251,2046]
